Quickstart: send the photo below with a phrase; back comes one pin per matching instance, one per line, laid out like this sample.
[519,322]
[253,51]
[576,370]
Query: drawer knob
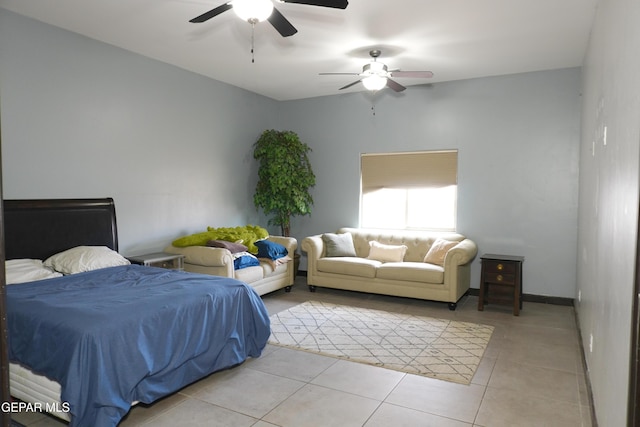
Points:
[499,278]
[500,267]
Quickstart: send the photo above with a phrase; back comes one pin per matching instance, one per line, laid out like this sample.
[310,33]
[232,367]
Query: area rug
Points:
[438,348]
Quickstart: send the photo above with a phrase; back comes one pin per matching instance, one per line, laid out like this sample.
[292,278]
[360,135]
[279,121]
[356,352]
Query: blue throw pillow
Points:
[271,250]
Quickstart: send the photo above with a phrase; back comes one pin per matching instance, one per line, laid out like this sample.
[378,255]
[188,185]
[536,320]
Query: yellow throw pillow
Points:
[386,253]
[438,250]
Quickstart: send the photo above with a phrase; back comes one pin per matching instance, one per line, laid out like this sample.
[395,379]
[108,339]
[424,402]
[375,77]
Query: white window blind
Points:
[409,170]
[409,190]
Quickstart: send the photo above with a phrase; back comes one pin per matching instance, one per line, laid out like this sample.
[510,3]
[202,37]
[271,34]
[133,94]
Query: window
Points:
[409,190]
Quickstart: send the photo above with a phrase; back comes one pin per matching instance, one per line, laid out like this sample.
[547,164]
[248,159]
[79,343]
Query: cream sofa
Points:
[219,262]
[411,278]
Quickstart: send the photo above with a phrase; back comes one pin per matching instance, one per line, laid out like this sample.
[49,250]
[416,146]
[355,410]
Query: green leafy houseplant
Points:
[284,177]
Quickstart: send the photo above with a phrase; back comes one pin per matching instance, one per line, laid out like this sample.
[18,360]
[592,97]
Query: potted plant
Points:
[284,177]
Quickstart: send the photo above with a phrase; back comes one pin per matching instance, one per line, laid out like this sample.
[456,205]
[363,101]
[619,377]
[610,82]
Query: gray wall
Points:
[518,139]
[608,211]
[85,119]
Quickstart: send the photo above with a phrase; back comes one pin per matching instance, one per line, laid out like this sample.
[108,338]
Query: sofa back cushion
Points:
[418,243]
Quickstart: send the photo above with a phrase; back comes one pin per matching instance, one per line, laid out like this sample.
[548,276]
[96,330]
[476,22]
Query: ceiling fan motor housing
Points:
[377,68]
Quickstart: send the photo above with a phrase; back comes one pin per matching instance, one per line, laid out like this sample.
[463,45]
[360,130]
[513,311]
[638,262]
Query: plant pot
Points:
[296,264]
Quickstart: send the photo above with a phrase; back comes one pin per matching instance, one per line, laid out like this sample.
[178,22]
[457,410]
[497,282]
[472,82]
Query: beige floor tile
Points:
[248,391]
[48,421]
[28,418]
[583,390]
[535,381]
[195,413]
[561,319]
[456,401]
[262,423]
[357,378]
[542,335]
[297,365]
[484,371]
[142,413]
[392,415]
[560,357]
[315,406]
[504,408]
[586,414]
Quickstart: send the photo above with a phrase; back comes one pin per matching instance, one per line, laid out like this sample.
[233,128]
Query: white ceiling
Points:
[456,39]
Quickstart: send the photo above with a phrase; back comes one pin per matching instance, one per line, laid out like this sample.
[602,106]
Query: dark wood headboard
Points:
[40,228]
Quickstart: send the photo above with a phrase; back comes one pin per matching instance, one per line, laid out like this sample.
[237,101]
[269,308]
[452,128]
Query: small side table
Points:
[501,281]
[159,259]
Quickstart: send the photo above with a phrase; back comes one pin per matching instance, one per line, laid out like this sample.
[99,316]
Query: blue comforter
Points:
[123,334]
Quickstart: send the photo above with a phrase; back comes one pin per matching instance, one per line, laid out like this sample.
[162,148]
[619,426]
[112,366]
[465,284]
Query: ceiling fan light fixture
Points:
[253,10]
[374,82]
[377,67]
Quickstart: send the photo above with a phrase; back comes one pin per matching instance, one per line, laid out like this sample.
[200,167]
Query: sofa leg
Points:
[453,306]
[312,288]
[287,288]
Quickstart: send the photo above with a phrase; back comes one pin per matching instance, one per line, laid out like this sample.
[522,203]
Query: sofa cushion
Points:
[411,271]
[338,244]
[268,269]
[386,253]
[350,266]
[249,274]
[438,251]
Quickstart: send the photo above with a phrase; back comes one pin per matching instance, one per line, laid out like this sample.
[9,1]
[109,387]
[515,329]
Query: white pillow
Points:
[386,253]
[438,251]
[85,258]
[27,270]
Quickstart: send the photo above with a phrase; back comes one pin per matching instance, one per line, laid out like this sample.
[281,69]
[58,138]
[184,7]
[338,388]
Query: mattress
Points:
[38,389]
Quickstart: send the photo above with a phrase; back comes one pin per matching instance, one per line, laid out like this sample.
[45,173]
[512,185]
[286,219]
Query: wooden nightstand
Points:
[501,281]
[159,259]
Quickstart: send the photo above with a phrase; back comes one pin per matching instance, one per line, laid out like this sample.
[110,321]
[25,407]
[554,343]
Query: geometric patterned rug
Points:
[438,348]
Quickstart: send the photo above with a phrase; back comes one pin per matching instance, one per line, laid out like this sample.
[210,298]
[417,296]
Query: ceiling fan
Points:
[254,11]
[376,76]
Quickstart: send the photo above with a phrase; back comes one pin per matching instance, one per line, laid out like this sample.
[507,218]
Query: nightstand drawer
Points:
[500,278]
[500,267]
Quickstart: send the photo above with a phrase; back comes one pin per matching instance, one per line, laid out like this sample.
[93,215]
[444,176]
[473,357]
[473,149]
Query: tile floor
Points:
[531,375]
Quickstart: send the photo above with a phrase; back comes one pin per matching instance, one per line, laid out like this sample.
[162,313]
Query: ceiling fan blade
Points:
[338,74]
[415,74]
[395,85]
[337,4]
[281,24]
[350,84]
[213,12]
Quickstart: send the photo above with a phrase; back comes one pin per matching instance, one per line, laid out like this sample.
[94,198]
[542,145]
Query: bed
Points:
[88,344]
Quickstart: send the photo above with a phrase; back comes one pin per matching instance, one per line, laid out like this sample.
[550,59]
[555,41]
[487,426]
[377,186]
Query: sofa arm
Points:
[205,256]
[313,246]
[460,254]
